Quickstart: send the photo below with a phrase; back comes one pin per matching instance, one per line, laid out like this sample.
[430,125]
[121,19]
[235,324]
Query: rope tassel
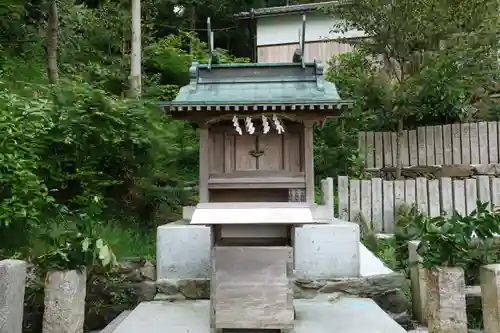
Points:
[249,125]
[236,125]
[265,124]
[277,124]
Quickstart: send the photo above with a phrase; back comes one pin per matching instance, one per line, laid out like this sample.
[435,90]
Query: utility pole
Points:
[135,58]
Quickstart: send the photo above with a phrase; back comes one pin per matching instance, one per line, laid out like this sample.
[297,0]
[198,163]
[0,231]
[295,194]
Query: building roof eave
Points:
[284,10]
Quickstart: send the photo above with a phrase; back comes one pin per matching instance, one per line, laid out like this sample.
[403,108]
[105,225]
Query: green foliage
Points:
[408,218]
[72,241]
[457,240]
[426,75]
[169,56]
[22,192]
[356,75]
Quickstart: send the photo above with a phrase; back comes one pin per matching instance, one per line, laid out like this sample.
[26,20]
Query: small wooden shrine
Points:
[255,123]
[256,178]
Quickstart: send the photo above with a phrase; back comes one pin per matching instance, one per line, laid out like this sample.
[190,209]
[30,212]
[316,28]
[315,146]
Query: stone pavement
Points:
[318,315]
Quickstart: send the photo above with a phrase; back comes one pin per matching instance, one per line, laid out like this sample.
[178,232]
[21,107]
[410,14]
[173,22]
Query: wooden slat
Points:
[421,195]
[492,142]
[343,193]
[495,192]
[229,163]
[387,148]
[446,189]
[447,145]
[379,150]
[292,158]
[459,204]
[413,147]
[366,201]
[405,149]
[370,149]
[470,195]
[434,197]
[474,143]
[410,193]
[498,139]
[465,144]
[456,135]
[399,194]
[438,144]
[483,142]
[216,152]
[394,137]
[483,189]
[422,146]
[362,145]
[377,210]
[314,50]
[389,213]
[354,200]
[430,146]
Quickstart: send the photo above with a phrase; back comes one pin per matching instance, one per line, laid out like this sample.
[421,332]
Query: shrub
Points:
[458,240]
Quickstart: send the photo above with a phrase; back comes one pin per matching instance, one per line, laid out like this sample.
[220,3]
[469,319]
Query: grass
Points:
[130,241]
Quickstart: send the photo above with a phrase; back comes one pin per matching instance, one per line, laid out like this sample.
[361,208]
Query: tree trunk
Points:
[135,70]
[399,149]
[192,28]
[51,43]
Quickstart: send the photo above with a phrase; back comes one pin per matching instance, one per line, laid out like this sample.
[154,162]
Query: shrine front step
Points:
[248,330]
[345,315]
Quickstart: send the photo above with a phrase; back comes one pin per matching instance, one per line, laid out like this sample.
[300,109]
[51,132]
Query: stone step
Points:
[318,315]
[115,322]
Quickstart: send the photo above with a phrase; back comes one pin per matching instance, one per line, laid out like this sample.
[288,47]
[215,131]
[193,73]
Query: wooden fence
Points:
[467,143]
[377,200]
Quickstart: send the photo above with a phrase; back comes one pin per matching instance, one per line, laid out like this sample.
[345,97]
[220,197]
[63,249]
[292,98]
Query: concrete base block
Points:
[183,252]
[446,303]
[251,287]
[187,212]
[327,251]
[64,302]
[490,288]
[12,285]
[345,315]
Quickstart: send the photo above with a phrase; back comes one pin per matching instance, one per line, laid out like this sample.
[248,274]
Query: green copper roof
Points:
[252,84]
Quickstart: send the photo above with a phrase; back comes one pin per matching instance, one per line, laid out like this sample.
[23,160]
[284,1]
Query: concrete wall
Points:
[284,29]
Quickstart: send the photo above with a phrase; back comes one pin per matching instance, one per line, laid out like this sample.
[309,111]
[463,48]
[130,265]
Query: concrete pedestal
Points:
[183,252]
[321,251]
[251,288]
[346,315]
[327,251]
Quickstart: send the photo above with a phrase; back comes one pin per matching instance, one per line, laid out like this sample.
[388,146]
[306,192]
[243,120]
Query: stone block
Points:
[418,283]
[490,290]
[12,285]
[327,251]
[327,194]
[187,212]
[183,252]
[251,287]
[446,306]
[64,303]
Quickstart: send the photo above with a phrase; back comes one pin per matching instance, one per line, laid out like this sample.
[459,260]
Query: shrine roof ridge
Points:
[235,86]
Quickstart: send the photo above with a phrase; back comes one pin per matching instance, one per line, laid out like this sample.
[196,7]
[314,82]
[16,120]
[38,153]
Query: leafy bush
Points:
[458,240]
[22,122]
[76,142]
